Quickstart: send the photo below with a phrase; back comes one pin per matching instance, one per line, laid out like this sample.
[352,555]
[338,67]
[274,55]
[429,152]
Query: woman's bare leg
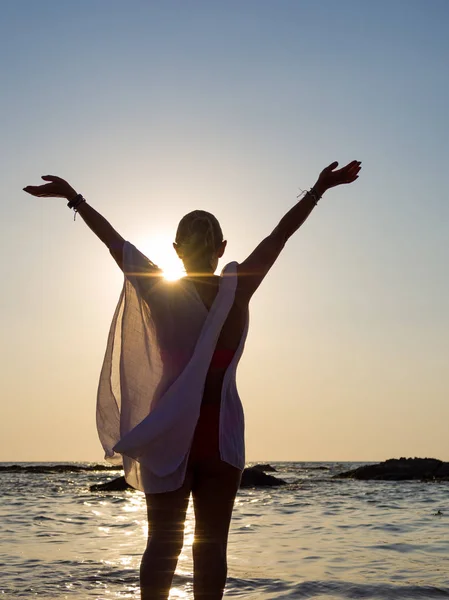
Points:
[166,517]
[214,489]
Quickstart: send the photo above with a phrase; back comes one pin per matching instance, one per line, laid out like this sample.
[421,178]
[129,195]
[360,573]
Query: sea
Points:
[317,537]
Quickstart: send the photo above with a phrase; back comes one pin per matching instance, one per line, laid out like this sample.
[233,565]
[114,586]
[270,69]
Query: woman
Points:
[168,405]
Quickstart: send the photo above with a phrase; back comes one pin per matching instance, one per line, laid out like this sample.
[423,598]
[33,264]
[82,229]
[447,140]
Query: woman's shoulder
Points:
[136,262]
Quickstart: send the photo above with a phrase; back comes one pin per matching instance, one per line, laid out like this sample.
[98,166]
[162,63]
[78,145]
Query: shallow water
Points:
[318,538]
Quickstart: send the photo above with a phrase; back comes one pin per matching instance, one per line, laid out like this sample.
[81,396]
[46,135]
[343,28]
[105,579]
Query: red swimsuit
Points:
[206,440]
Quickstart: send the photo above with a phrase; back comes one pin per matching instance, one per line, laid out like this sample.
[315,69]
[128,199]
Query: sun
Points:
[173,274]
[159,250]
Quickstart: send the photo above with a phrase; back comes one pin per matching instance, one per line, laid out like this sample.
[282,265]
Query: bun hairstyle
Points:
[199,233]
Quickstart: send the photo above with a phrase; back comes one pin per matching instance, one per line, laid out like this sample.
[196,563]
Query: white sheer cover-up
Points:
[159,348]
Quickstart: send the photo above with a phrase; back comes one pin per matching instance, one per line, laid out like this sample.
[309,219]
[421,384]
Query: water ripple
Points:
[317,537]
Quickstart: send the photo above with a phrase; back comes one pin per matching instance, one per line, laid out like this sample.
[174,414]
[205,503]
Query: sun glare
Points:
[159,250]
[173,274]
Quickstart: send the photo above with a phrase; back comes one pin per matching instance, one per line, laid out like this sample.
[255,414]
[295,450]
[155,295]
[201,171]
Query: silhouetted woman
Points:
[168,406]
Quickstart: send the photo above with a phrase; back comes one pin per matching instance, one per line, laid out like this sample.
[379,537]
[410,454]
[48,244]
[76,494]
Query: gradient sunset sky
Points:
[152,109]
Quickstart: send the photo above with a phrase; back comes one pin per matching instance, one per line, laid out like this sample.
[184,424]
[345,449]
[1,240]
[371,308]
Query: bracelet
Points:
[314,195]
[311,193]
[75,203]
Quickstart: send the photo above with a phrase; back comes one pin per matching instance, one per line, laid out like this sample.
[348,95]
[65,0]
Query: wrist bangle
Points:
[75,203]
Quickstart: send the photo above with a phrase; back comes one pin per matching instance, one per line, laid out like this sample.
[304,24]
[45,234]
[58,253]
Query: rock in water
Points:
[253,477]
[116,485]
[402,469]
[265,468]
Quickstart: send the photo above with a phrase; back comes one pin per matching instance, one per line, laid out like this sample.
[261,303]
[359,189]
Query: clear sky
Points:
[153,109]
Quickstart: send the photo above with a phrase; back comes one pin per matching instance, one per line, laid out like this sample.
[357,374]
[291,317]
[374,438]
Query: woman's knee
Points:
[210,552]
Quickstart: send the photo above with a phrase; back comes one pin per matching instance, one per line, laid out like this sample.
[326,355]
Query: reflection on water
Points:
[316,538]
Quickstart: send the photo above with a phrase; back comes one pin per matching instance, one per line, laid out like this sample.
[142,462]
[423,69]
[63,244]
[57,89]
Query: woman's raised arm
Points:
[256,266]
[59,188]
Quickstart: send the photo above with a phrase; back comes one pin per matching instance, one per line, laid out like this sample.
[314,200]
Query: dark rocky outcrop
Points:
[255,477]
[115,485]
[251,477]
[401,469]
[264,467]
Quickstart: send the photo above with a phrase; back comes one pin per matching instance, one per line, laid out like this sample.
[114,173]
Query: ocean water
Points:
[318,537]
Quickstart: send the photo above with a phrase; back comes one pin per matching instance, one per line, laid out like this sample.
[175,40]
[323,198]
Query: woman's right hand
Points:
[331,176]
[57,188]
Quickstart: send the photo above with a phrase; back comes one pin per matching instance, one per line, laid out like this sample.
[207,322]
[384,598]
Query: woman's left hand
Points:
[57,188]
[330,177]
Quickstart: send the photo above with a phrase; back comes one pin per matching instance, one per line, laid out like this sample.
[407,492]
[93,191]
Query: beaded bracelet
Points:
[75,203]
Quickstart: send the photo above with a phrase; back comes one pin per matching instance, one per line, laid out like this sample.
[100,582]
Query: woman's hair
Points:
[199,233]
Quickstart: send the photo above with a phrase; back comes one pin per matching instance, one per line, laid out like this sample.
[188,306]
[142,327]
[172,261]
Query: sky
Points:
[153,109]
